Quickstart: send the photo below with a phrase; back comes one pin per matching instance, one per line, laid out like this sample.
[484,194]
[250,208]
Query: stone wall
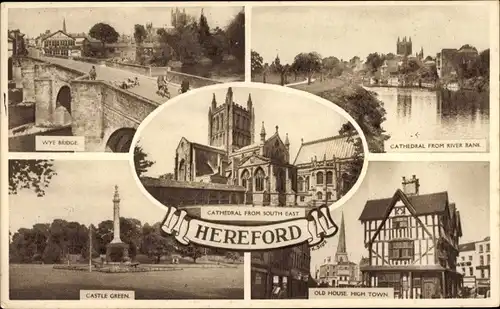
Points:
[177,77]
[138,69]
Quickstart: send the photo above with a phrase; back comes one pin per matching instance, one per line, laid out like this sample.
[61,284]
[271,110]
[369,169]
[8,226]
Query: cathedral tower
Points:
[64,25]
[231,126]
[341,254]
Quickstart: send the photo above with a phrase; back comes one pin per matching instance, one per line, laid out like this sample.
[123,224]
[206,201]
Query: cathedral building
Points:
[340,272]
[404,47]
[262,164]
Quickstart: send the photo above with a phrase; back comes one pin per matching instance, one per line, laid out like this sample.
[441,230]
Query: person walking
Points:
[92,73]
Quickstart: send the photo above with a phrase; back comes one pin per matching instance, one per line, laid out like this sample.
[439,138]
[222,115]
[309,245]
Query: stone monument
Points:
[116,250]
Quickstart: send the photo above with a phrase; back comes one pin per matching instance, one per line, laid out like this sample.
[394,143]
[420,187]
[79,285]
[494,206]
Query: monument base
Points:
[117,252]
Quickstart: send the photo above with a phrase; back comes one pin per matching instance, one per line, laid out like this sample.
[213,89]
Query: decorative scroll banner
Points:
[313,229]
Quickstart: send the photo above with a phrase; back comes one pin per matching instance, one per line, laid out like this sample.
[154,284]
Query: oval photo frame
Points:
[313,227]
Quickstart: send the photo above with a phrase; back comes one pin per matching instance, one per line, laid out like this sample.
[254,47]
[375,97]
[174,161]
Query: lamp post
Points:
[90,248]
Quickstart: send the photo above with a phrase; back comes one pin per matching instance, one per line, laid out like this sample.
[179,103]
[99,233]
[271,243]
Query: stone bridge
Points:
[106,115]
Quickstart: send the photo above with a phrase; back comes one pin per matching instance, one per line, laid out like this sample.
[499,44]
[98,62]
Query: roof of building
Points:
[470,246]
[45,37]
[338,147]
[423,204]
[78,35]
[168,183]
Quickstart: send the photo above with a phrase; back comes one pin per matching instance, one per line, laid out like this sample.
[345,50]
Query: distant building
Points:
[474,264]
[448,60]
[92,47]
[10,47]
[281,273]
[18,42]
[340,272]
[404,47]
[412,242]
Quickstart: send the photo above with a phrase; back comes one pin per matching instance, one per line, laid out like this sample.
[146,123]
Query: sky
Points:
[467,184]
[189,118]
[35,21]
[345,32]
[83,191]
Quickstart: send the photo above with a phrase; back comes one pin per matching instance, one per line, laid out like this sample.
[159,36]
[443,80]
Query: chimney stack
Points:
[411,186]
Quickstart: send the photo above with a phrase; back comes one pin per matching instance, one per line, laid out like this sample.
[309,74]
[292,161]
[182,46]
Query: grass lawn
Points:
[29,282]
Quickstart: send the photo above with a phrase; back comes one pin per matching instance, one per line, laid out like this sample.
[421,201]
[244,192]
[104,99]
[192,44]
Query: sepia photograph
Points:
[422,67]
[83,78]
[65,247]
[422,233]
[246,146]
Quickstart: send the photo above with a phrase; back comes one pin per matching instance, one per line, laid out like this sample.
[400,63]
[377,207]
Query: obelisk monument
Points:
[116,250]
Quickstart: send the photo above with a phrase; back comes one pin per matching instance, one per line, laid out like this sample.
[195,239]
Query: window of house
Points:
[301,184]
[259,180]
[487,247]
[471,271]
[319,196]
[482,273]
[401,250]
[400,222]
[329,196]
[480,248]
[463,258]
[319,178]
[302,198]
[481,260]
[389,280]
[488,259]
[329,177]
[470,257]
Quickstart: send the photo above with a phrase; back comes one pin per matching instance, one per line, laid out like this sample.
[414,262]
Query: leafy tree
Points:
[389,56]
[307,63]
[484,63]
[374,61]
[105,33]
[154,244]
[193,251]
[218,45]
[236,36]
[30,174]
[204,35]
[141,162]
[140,35]
[365,109]
[331,66]
[256,62]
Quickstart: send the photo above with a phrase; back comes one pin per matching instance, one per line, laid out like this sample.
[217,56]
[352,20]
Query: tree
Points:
[105,33]
[154,244]
[204,35]
[141,162]
[193,251]
[331,66]
[307,63]
[140,35]
[30,174]
[218,45]
[374,61]
[256,62]
[236,36]
[365,109]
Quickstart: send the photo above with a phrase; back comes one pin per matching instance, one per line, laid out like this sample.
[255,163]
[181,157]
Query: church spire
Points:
[341,254]
[64,25]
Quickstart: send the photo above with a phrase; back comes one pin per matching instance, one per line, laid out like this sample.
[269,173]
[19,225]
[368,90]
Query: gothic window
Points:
[223,139]
[259,180]
[319,196]
[307,183]
[319,178]
[182,170]
[301,184]
[244,179]
[222,121]
[216,124]
[237,123]
[329,177]
[329,196]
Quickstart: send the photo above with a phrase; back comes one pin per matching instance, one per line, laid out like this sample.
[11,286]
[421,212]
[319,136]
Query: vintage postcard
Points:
[250,154]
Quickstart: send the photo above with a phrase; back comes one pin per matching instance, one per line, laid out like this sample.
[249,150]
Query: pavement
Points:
[147,85]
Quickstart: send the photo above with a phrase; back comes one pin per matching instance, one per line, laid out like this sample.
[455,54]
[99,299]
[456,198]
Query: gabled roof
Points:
[423,204]
[54,33]
[339,147]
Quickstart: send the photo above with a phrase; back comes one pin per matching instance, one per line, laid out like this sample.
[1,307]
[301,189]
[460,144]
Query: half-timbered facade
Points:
[412,242]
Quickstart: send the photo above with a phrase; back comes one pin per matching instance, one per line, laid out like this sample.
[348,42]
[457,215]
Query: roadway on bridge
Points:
[147,85]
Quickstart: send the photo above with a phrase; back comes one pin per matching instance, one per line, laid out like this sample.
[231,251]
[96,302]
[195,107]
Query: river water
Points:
[421,114]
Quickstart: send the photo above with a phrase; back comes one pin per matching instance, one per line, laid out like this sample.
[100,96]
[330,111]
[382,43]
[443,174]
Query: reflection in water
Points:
[440,114]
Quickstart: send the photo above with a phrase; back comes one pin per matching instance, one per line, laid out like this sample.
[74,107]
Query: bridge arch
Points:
[64,98]
[120,140]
